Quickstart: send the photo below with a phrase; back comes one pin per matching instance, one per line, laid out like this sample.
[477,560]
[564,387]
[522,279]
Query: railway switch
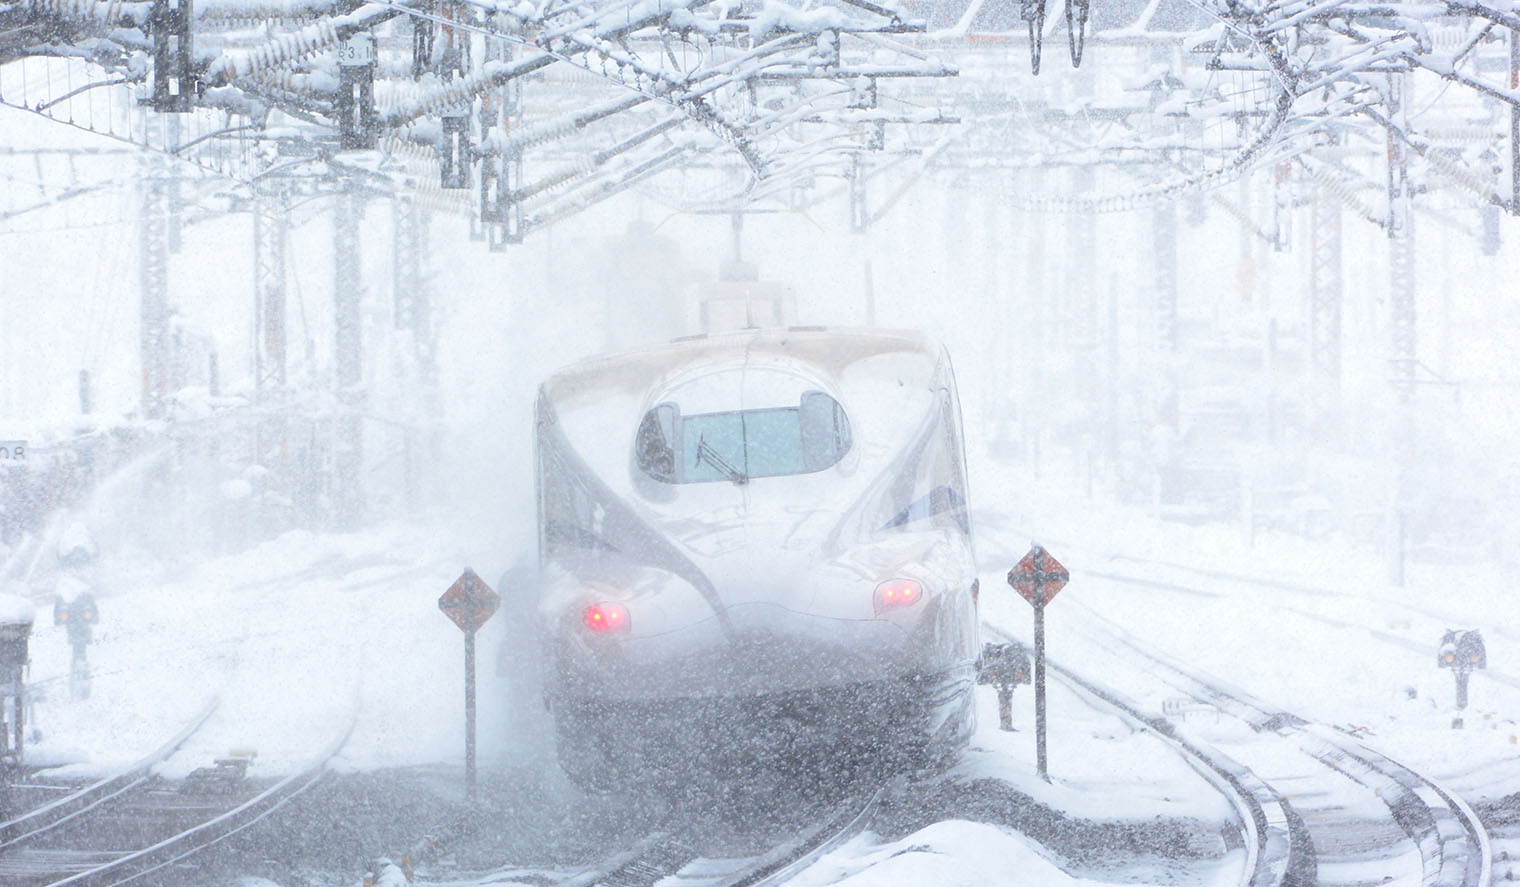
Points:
[1004,666]
[1463,653]
[223,779]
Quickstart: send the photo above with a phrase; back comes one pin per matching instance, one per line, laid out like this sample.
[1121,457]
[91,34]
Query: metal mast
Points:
[153,250]
[1325,311]
[348,367]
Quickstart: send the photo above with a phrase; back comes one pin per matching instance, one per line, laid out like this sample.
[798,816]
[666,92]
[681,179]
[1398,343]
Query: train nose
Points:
[767,574]
[767,648]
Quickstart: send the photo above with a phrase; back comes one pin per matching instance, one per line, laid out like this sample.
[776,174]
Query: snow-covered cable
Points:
[1463,175]
[1457,172]
[559,127]
[1340,188]
[460,92]
[312,39]
[286,48]
[112,12]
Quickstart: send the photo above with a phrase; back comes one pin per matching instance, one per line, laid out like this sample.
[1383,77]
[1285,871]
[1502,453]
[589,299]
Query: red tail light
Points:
[895,594]
[606,618]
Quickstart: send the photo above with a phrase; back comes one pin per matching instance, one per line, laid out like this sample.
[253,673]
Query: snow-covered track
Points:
[1209,576]
[105,868]
[43,819]
[1278,851]
[1451,842]
[670,854]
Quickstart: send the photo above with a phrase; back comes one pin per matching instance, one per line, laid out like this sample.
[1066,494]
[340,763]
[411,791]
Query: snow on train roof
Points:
[880,378]
[827,351]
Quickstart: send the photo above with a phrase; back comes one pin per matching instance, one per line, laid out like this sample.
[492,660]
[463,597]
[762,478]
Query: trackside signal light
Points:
[895,594]
[606,618]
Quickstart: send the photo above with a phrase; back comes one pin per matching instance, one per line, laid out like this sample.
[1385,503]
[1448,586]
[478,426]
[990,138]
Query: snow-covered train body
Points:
[753,543]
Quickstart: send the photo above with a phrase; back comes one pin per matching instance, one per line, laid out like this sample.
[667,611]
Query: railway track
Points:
[1422,649]
[1278,850]
[1368,818]
[169,825]
[673,854]
[1274,847]
[685,848]
[40,820]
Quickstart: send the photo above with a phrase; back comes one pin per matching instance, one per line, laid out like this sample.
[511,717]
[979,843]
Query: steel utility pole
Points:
[348,361]
[1081,292]
[153,252]
[1514,124]
[1402,321]
[413,323]
[1164,267]
[1325,311]
[270,236]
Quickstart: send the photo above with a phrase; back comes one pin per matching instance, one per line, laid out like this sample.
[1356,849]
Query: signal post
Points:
[469,602]
[1037,577]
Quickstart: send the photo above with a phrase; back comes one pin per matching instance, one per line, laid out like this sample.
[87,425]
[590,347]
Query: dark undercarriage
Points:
[885,726]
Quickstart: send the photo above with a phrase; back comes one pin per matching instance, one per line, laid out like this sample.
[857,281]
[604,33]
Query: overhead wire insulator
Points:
[1076,29]
[311,39]
[108,11]
[1033,12]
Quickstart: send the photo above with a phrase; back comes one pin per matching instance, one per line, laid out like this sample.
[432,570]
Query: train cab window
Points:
[654,446]
[742,444]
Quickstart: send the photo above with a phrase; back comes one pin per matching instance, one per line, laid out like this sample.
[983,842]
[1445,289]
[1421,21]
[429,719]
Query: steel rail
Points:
[1495,675]
[663,854]
[129,867]
[1278,848]
[779,866]
[47,817]
[1418,805]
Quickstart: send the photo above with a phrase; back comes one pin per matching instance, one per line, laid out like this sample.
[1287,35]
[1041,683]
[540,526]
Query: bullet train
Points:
[755,548]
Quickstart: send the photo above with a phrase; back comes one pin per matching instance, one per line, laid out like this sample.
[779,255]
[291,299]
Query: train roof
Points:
[824,352]
[885,381]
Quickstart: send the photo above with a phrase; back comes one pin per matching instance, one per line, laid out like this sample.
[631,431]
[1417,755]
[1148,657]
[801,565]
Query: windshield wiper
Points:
[704,451]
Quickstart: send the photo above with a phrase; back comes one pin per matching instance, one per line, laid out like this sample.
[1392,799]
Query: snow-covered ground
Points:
[1311,626]
[297,638]
[302,635]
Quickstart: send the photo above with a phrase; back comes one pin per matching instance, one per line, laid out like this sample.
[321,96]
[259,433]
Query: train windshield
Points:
[742,444]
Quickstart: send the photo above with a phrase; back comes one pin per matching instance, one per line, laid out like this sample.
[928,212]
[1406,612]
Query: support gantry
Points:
[271,225]
[1325,294]
[153,273]
[348,362]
